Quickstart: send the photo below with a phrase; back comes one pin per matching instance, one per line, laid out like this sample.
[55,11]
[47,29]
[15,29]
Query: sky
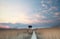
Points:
[39,13]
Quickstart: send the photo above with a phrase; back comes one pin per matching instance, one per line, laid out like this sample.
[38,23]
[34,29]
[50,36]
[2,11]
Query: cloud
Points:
[42,21]
[46,1]
[58,18]
[38,18]
[20,12]
[14,12]
[3,26]
[57,13]
[49,10]
[32,19]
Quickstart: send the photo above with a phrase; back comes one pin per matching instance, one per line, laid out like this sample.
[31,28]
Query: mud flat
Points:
[48,33]
[15,34]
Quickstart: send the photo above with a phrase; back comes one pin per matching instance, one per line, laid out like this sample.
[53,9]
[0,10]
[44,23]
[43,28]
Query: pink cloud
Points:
[53,8]
[46,21]
[2,26]
[42,21]
[39,16]
[56,14]
[58,18]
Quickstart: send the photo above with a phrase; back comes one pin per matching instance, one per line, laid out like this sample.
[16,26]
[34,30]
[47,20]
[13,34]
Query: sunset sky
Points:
[35,12]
